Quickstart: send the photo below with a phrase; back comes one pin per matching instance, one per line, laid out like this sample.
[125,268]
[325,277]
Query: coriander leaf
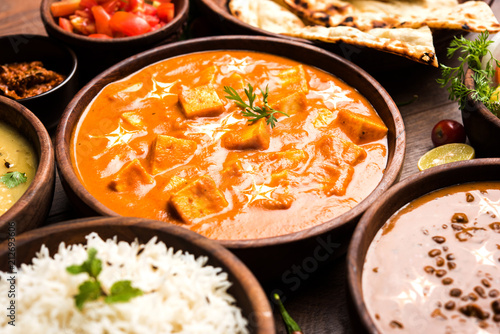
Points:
[471,53]
[291,326]
[87,291]
[122,291]
[13,179]
[254,113]
[91,266]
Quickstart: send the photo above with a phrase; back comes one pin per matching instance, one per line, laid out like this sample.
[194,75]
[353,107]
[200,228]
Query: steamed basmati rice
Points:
[181,293]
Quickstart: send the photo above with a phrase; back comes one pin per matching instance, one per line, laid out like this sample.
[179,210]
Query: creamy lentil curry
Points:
[17,160]
[434,267]
[166,143]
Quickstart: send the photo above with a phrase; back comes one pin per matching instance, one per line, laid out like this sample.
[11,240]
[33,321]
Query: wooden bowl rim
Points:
[261,308]
[45,172]
[477,105]
[155,36]
[53,43]
[390,176]
[435,178]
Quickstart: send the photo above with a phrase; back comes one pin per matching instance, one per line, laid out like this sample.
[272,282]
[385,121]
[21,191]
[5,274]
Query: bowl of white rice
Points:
[181,282]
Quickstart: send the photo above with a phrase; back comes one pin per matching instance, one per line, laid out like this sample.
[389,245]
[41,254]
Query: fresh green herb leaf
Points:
[91,266]
[122,291]
[291,326]
[13,179]
[471,53]
[254,113]
[87,291]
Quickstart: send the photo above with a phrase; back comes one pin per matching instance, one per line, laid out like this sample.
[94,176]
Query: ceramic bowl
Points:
[33,207]
[245,288]
[390,202]
[55,56]
[96,55]
[286,249]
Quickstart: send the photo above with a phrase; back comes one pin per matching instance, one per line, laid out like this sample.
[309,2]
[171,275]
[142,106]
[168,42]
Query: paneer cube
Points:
[130,177]
[340,177]
[291,104]
[360,128]
[251,137]
[294,79]
[235,81]
[133,118]
[198,199]
[201,101]
[324,118]
[175,184]
[167,152]
[337,150]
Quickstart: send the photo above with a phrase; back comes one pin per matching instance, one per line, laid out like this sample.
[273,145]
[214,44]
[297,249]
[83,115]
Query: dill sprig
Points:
[254,113]
[471,53]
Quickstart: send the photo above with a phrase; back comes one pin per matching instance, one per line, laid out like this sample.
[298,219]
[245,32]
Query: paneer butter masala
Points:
[167,143]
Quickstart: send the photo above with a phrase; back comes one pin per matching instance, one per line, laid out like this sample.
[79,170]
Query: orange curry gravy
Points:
[167,144]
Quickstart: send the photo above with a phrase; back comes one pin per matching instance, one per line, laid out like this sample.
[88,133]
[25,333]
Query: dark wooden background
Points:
[317,300]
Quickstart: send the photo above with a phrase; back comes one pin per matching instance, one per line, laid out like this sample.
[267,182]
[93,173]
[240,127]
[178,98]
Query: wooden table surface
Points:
[318,302]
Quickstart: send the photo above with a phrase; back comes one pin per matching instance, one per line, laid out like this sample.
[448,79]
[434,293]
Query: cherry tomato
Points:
[448,131]
[129,24]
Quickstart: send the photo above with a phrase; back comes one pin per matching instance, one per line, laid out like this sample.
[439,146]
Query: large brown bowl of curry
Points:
[276,192]
[424,257]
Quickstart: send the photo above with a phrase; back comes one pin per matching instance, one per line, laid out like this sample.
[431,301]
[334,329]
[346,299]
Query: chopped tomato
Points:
[497,76]
[64,8]
[165,11]
[65,24]
[86,13]
[83,25]
[149,9]
[102,19]
[111,6]
[152,20]
[129,24]
[135,6]
[87,3]
[102,36]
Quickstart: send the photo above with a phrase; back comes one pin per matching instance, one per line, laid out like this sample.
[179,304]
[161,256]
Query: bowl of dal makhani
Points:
[425,258]
[108,274]
[27,169]
[255,142]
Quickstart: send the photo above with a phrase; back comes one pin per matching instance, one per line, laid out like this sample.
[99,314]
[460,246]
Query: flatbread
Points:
[475,16]
[265,14]
[415,44]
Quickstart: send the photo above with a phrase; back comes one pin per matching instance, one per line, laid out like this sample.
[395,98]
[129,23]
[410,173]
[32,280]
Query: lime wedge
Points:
[444,154]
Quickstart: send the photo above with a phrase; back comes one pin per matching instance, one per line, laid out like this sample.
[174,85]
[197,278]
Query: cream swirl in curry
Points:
[166,143]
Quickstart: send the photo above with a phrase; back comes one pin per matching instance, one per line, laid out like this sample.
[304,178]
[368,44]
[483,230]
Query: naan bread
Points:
[265,14]
[415,44]
[365,15]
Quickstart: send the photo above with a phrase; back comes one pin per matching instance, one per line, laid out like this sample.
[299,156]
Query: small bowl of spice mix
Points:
[425,258]
[38,72]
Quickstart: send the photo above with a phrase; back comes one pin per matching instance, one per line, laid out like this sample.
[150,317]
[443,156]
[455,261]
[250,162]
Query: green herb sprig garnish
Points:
[471,54]
[291,326]
[13,179]
[254,113]
[91,289]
